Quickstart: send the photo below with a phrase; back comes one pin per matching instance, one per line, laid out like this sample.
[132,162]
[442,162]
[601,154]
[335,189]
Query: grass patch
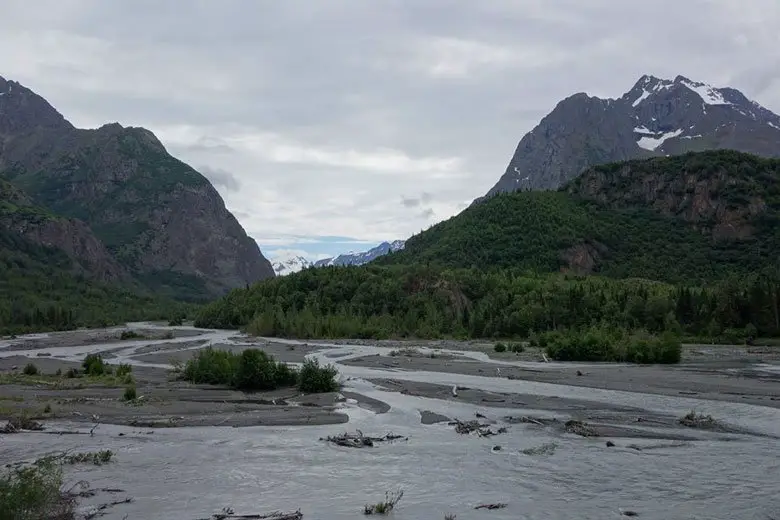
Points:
[123,369]
[385,507]
[255,370]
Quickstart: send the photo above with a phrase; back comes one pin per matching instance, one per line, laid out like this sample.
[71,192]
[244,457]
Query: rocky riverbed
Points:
[608,438]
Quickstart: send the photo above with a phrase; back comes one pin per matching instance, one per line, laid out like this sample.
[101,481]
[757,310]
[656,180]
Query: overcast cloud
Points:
[329,123]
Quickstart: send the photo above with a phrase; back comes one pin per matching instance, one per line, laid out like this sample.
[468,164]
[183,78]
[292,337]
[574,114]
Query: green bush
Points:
[517,348]
[123,369]
[315,378]
[130,334]
[30,370]
[257,370]
[499,347]
[600,344]
[33,493]
[130,394]
[72,373]
[176,322]
[212,367]
[95,366]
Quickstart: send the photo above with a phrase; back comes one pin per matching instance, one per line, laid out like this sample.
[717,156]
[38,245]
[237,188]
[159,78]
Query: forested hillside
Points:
[684,245]
[695,218]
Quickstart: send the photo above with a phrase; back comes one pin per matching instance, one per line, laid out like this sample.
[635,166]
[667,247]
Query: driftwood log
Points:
[469,427]
[229,514]
[358,440]
[491,506]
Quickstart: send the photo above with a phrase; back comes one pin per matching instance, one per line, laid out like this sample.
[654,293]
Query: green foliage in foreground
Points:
[254,370]
[602,344]
[33,493]
[414,301]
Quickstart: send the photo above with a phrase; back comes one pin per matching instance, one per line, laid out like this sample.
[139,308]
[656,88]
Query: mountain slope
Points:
[656,117]
[159,218]
[18,216]
[691,218]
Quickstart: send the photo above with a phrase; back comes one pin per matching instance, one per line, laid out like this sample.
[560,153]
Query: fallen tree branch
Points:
[469,427]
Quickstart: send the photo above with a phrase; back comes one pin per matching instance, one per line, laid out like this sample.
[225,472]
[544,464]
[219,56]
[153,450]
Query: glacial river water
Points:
[189,473]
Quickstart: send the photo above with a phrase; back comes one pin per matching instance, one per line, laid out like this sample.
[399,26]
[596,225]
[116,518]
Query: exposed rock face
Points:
[655,118]
[19,216]
[156,215]
[709,192]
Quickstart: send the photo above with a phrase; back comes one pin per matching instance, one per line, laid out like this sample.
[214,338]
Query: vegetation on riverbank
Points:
[34,492]
[255,370]
[415,301]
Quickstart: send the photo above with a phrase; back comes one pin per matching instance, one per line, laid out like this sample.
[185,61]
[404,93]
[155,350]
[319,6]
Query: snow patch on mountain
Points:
[707,93]
[651,141]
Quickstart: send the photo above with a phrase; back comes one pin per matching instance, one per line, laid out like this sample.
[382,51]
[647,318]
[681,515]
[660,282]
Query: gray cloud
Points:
[413,202]
[328,113]
[220,178]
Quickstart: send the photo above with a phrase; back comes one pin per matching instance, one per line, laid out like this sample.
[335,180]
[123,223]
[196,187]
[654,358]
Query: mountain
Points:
[657,117]
[353,258]
[293,264]
[691,218]
[161,222]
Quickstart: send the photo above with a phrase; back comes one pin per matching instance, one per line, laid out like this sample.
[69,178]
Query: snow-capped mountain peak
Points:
[285,265]
[288,265]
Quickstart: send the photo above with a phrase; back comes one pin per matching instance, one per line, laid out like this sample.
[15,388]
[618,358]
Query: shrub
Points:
[517,348]
[123,369]
[30,370]
[315,379]
[499,347]
[176,322]
[383,508]
[130,394]
[600,344]
[257,370]
[128,379]
[32,493]
[130,334]
[94,365]
[59,372]
[212,367]
[72,373]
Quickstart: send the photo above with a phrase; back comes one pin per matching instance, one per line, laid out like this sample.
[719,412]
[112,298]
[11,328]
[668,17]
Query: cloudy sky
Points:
[333,125]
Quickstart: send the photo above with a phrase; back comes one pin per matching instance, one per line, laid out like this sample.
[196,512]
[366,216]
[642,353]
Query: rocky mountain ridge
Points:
[656,117]
[160,220]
